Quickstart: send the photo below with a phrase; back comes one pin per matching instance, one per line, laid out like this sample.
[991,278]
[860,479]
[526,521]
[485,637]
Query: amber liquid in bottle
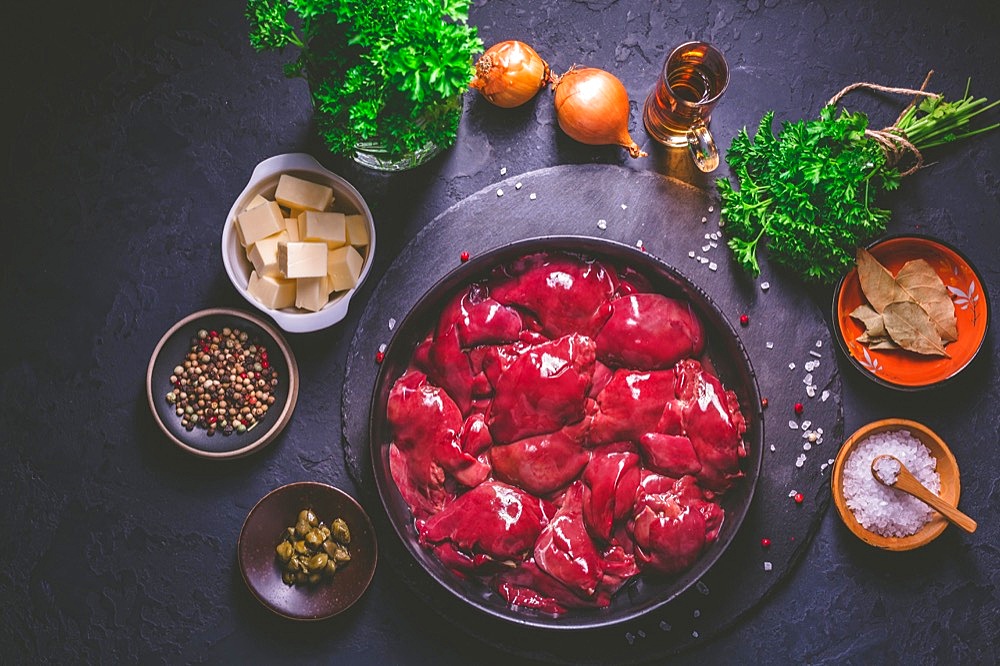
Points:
[676,106]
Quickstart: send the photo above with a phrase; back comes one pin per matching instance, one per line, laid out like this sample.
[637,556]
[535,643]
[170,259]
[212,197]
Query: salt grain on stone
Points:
[499,192]
[768,566]
[764,286]
[602,224]
[691,254]
[811,391]
[791,366]
[801,460]
[503,171]
[769,345]
[793,425]
[884,510]
[381,347]
[813,352]
[517,185]
[712,266]
[392,323]
[824,396]
[532,196]
[665,626]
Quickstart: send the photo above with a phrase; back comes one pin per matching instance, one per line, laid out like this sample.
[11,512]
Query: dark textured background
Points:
[130,128]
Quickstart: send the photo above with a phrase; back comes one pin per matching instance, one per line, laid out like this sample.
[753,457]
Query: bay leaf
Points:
[911,328]
[877,341]
[872,321]
[877,283]
[918,280]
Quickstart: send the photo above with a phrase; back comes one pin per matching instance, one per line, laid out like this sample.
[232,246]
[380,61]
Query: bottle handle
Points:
[702,147]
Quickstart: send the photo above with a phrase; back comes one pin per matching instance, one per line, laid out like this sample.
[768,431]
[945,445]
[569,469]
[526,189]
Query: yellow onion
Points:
[510,73]
[592,107]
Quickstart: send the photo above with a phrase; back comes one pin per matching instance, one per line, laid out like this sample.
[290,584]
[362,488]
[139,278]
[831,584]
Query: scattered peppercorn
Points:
[379,357]
[763,403]
[310,551]
[744,320]
[464,257]
[799,498]
[224,384]
[765,543]
[798,408]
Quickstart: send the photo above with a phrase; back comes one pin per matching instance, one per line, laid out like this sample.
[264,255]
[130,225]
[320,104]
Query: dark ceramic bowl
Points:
[263,530]
[903,370]
[725,355]
[170,352]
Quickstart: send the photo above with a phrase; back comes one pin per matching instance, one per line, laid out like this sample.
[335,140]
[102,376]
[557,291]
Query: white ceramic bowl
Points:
[264,181]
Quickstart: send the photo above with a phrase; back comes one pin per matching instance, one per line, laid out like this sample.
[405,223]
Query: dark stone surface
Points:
[130,128]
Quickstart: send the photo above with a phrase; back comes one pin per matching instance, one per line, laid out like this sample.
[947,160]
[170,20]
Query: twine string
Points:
[892,139]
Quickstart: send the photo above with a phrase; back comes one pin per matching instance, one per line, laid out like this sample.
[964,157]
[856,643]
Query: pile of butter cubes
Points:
[302,253]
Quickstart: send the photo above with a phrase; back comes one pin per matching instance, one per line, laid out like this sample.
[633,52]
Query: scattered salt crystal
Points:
[793,493]
[602,224]
[713,244]
[810,366]
[811,391]
[813,352]
[806,424]
[712,266]
[532,196]
[691,254]
[711,208]
[791,366]
[708,236]
[499,192]
[830,461]
[704,220]
[768,566]
[823,467]
[641,633]
[808,379]
[772,447]
[769,345]
[665,626]
[884,510]
[630,637]
[807,446]
[697,613]
[824,396]
[706,248]
[703,260]
[381,347]
[694,634]
[793,425]
[624,207]
[503,171]
[801,460]
[392,323]
[764,286]
[702,587]
[714,235]
[638,243]
[517,185]
[819,343]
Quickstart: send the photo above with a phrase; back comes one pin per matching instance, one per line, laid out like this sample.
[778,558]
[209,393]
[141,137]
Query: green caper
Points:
[315,538]
[318,561]
[287,577]
[302,527]
[300,547]
[325,531]
[284,550]
[308,516]
[330,568]
[330,547]
[340,531]
[314,578]
[341,555]
[301,578]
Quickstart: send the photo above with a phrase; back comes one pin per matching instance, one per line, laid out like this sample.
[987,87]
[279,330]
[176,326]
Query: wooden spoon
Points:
[908,483]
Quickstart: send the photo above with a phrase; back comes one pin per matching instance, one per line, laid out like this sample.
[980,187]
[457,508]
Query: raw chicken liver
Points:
[649,332]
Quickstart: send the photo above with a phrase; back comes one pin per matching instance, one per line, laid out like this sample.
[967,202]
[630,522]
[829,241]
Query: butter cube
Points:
[264,254]
[357,230]
[292,227]
[273,292]
[311,293]
[302,260]
[344,268]
[259,222]
[331,228]
[294,192]
[258,200]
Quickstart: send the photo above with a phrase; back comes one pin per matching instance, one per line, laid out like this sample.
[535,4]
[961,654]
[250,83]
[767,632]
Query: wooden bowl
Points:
[947,468]
[900,369]
[170,352]
[263,529]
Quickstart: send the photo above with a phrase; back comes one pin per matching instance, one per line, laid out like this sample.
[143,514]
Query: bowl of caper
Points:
[307,551]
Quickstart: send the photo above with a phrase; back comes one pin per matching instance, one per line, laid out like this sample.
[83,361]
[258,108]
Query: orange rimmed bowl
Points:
[900,369]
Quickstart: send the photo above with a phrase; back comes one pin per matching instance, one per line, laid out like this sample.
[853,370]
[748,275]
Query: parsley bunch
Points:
[384,71]
[809,193]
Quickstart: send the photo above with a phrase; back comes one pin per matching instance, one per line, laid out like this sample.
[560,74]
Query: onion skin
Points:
[510,73]
[592,107]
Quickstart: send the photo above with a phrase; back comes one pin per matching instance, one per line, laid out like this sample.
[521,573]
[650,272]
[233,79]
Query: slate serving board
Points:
[672,220]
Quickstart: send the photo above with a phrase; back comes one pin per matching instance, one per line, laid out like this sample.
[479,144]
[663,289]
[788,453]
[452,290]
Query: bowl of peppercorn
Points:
[222,383]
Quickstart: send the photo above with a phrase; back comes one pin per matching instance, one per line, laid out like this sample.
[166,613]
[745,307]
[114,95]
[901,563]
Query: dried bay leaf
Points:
[877,341]
[911,328]
[923,286]
[872,321]
[877,283]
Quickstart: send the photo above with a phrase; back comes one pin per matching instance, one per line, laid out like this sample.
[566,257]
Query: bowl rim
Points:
[579,244]
[838,334]
[324,487]
[334,311]
[930,530]
[286,412]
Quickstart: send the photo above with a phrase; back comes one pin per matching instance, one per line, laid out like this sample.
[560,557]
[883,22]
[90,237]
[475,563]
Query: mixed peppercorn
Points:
[225,383]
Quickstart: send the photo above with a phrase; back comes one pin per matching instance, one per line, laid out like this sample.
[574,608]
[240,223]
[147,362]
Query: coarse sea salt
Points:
[881,509]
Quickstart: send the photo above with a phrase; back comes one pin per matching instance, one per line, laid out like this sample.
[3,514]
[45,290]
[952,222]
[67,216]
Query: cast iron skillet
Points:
[725,355]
